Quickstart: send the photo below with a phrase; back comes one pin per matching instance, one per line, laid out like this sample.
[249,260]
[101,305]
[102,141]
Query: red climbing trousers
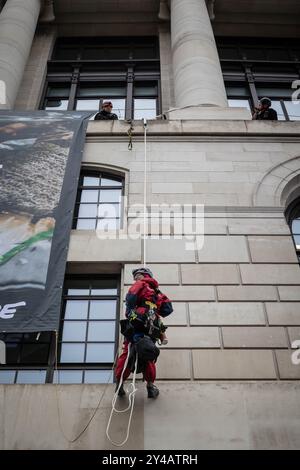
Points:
[149,372]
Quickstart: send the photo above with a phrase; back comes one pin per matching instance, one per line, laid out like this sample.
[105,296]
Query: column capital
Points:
[47,11]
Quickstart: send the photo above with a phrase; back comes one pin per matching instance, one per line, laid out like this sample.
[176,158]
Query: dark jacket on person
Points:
[268,114]
[105,116]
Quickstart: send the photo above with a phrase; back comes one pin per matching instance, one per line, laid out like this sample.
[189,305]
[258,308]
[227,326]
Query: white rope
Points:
[131,398]
[131,395]
[145,189]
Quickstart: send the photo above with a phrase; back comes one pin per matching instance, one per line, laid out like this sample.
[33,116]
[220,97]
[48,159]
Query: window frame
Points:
[84,366]
[292,213]
[244,66]
[92,172]
[127,71]
[49,366]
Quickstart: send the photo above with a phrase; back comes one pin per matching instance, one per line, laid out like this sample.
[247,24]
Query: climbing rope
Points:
[131,395]
[145,192]
[134,389]
[131,398]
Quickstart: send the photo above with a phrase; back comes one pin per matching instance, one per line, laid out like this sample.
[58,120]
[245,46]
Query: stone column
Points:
[197,72]
[18,21]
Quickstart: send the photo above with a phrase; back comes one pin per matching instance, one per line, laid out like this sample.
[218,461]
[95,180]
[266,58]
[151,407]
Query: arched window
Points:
[98,203]
[293,218]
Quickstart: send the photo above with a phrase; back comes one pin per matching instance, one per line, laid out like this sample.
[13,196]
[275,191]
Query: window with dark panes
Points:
[296,233]
[83,72]
[293,219]
[87,343]
[27,357]
[145,100]
[57,97]
[87,339]
[254,68]
[99,202]
[87,98]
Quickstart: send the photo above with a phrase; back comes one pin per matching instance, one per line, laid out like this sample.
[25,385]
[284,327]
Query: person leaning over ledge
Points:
[105,114]
[264,112]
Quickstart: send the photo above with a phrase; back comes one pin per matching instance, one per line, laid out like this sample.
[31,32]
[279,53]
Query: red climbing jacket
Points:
[141,292]
[146,290]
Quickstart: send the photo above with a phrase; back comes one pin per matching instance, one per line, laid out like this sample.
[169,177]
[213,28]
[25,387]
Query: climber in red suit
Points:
[144,292]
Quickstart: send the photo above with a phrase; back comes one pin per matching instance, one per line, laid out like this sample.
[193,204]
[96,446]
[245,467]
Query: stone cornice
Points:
[262,131]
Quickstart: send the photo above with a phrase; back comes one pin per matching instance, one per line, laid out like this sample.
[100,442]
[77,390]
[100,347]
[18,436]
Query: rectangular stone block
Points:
[192,337]
[163,273]
[254,337]
[195,198]
[240,156]
[244,364]
[190,166]
[246,293]
[154,226]
[161,188]
[174,364]
[166,177]
[169,251]
[289,293]
[270,274]
[86,246]
[223,249]
[283,313]
[274,249]
[209,274]
[173,156]
[287,370]
[229,313]
[216,226]
[229,177]
[258,226]
[179,315]
[294,335]
[223,188]
[189,293]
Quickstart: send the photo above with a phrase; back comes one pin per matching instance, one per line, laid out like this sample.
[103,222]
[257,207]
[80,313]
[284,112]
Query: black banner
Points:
[142,458]
[40,156]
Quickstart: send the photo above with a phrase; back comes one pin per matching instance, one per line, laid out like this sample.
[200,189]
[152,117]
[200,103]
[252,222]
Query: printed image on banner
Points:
[40,156]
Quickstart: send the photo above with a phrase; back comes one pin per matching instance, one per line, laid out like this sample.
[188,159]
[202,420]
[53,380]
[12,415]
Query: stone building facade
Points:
[226,376]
